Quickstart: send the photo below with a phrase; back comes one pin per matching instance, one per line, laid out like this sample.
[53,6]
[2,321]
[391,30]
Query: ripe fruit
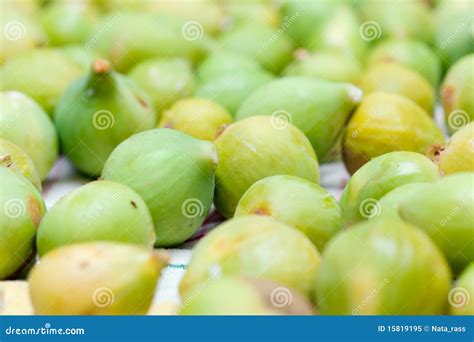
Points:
[296,202]
[460,296]
[382,267]
[253,246]
[384,123]
[25,124]
[220,63]
[100,278]
[97,211]
[98,112]
[255,148]
[173,173]
[196,117]
[359,200]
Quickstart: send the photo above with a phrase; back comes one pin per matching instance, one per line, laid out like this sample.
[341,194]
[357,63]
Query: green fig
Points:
[396,79]
[263,12]
[24,123]
[225,63]
[456,94]
[21,210]
[253,246]
[97,211]
[382,267]
[80,55]
[319,108]
[42,74]
[199,118]
[164,80]
[296,202]
[411,53]
[445,211]
[373,180]
[245,296]
[326,65]
[461,295]
[255,148]
[384,123]
[96,113]
[101,278]
[174,174]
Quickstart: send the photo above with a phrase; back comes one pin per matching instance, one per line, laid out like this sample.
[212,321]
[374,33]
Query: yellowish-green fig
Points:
[225,62]
[460,296]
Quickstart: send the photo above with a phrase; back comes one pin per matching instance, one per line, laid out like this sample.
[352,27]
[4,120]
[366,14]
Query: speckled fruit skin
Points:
[456,94]
[199,118]
[97,211]
[255,148]
[296,202]
[232,295]
[253,246]
[384,123]
[378,177]
[382,267]
[16,159]
[22,209]
[397,79]
[173,173]
[445,211]
[320,117]
[461,295]
[100,278]
[98,112]
[25,124]
[457,155]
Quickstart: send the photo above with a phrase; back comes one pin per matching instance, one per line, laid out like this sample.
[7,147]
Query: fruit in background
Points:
[319,108]
[164,80]
[39,140]
[297,202]
[220,63]
[255,148]
[173,173]
[80,55]
[382,267]
[97,211]
[411,53]
[245,296]
[445,211]
[42,74]
[394,78]
[196,117]
[373,180]
[22,209]
[100,278]
[96,113]
[326,65]
[16,159]
[26,7]
[253,246]
[384,123]
[456,94]
[271,48]
[460,296]
[241,13]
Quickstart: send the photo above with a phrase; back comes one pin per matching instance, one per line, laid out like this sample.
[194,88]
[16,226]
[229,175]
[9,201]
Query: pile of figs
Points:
[180,113]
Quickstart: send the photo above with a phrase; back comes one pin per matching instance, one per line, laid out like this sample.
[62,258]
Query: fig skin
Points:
[173,173]
[458,154]
[446,219]
[461,295]
[385,123]
[379,176]
[253,246]
[100,278]
[296,202]
[318,108]
[16,159]
[241,13]
[97,211]
[40,140]
[199,118]
[232,295]
[396,79]
[255,148]
[456,94]
[382,267]
[22,210]
[98,112]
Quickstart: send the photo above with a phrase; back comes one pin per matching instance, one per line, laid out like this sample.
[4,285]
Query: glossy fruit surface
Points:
[457,155]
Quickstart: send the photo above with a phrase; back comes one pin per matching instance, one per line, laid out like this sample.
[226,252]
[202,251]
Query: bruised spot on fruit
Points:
[141,101]
[6,160]
[221,130]
[84,264]
[261,210]
[133,204]
[34,210]
[434,152]
[448,94]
